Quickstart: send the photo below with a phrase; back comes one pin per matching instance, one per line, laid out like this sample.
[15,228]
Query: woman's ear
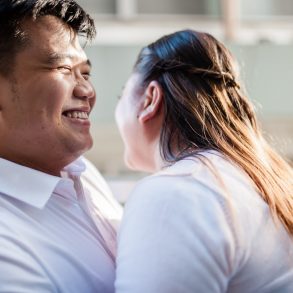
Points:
[152,103]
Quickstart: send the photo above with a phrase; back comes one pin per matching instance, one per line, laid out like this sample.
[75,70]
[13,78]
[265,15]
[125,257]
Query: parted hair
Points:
[206,108]
[14,12]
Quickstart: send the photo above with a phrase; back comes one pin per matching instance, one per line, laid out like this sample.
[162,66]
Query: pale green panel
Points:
[267,71]
[213,7]
[111,68]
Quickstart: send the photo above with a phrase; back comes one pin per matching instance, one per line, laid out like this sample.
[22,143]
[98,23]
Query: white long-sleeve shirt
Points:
[56,234]
[181,234]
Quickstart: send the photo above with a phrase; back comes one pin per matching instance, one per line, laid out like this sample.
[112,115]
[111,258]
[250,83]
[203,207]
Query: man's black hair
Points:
[14,12]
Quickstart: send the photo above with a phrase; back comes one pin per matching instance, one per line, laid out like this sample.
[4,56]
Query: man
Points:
[56,230]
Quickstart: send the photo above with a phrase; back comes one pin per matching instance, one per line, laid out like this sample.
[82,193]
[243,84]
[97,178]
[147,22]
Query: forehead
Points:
[48,35]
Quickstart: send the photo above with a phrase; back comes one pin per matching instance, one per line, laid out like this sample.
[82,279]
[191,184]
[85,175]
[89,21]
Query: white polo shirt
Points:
[56,234]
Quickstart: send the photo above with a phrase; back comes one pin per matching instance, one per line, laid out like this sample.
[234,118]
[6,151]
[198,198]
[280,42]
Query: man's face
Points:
[45,103]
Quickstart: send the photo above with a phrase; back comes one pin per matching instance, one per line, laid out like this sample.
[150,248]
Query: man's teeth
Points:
[77,114]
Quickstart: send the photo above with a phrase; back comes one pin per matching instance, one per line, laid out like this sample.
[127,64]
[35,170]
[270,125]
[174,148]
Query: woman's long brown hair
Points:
[206,109]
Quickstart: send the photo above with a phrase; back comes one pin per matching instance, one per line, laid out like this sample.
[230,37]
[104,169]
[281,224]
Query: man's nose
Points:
[84,89]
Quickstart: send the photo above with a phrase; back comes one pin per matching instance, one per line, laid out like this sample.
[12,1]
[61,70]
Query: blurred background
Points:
[258,32]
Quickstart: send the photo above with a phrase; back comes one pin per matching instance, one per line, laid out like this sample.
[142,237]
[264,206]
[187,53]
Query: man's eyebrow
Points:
[54,58]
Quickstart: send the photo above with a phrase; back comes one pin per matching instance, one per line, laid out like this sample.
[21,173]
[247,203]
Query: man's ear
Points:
[152,103]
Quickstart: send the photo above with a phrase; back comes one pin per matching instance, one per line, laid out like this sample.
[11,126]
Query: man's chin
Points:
[90,143]
[86,148]
[78,147]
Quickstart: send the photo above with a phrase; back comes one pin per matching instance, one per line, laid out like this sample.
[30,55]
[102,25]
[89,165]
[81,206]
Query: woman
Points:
[217,215]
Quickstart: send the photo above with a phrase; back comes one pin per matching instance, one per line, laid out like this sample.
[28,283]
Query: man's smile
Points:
[76,114]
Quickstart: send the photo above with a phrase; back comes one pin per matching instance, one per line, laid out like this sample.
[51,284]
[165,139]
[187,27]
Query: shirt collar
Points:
[31,186]
[75,168]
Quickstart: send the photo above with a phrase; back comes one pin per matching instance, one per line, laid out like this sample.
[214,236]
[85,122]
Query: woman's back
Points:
[200,226]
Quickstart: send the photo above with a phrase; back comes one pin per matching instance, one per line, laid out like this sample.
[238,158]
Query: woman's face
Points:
[140,137]
[126,114]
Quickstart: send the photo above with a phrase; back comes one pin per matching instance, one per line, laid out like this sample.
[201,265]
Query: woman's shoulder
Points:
[207,187]
[208,173]
[176,209]
[187,185]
